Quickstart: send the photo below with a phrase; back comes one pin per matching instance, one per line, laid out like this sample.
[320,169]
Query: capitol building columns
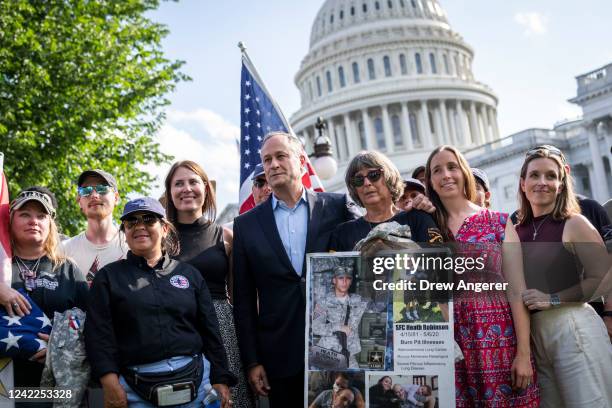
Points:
[407,125]
[597,171]
[425,125]
[474,125]
[387,129]
[445,126]
[406,131]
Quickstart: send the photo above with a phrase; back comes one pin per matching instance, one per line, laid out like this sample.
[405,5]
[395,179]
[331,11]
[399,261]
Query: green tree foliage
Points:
[82,85]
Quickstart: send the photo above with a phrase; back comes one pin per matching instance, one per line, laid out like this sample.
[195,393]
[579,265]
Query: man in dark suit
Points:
[270,244]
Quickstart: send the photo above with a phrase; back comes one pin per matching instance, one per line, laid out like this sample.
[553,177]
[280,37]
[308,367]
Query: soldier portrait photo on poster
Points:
[350,323]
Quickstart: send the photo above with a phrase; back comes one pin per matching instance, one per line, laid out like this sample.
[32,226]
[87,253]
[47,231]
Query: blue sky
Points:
[527,51]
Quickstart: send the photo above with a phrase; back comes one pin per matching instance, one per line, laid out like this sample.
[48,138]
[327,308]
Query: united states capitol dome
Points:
[337,15]
[392,76]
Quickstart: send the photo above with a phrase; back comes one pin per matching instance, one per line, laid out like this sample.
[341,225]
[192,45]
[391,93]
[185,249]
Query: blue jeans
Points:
[170,364]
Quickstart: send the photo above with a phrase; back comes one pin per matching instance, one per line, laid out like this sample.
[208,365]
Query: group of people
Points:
[172,295]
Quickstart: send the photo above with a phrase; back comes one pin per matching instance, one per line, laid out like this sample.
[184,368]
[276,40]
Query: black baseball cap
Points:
[259,171]
[107,177]
[414,184]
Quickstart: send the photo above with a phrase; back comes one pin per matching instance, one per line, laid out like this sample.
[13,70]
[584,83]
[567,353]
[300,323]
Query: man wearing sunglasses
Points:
[260,190]
[102,242]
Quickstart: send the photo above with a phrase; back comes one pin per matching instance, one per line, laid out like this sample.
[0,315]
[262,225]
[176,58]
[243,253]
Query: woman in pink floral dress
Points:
[491,327]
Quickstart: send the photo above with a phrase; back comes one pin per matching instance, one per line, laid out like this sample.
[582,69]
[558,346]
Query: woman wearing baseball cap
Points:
[53,282]
[150,320]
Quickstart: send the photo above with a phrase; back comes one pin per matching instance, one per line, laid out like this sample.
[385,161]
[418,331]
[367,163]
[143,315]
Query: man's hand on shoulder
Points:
[420,202]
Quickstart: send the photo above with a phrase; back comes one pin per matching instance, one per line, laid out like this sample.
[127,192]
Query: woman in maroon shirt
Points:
[565,263]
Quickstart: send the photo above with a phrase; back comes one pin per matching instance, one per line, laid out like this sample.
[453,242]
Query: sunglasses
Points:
[547,148]
[260,183]
[101,189]
[373,176]
[133,220]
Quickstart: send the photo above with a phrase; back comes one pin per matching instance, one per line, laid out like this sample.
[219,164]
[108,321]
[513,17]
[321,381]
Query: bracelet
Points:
[607,313]
[554,300]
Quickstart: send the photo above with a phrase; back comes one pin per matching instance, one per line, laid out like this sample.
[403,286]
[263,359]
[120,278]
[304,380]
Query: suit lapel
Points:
[268,226]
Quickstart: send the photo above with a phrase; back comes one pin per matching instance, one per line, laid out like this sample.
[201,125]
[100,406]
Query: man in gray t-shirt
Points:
[102,242]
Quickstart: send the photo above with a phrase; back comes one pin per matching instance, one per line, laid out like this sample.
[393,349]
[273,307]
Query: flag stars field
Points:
[11,340]
[15,320]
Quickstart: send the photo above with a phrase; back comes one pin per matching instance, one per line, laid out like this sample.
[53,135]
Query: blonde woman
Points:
[566,263]
[54,283]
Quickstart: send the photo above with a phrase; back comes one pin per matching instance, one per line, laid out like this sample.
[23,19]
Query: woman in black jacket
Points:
[151,318]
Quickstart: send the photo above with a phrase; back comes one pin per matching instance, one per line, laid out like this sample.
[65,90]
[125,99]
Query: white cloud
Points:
[533,22]
[206,138]
[209,121]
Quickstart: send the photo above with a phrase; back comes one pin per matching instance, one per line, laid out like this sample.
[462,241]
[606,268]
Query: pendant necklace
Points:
[535,230]
[27,274]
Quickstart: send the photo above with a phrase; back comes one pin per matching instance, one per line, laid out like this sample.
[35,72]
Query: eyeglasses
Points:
[547,148]
[373,176]
[260,183]
[133,220]
[101,189]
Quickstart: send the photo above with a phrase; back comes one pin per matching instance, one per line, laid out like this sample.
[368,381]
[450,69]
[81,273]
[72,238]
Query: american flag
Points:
[5,246]
[19,335]
[259,115]
[6,274]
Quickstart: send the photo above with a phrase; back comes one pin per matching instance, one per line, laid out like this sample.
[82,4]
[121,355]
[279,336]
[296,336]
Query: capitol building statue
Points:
[392,76]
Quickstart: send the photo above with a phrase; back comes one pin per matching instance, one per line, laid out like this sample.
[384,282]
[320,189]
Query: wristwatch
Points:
[554,300]
[607,313]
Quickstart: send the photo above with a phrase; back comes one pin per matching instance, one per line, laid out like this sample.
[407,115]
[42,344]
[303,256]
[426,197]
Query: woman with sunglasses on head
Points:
[54,283]
[191,206]
[566,264]
[375,183]
[150,319]
[491,327]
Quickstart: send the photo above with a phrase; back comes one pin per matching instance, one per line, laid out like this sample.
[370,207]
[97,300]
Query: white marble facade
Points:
[392,75]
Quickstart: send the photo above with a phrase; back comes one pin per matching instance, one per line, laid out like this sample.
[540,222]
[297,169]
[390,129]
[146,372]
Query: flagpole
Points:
[251,67]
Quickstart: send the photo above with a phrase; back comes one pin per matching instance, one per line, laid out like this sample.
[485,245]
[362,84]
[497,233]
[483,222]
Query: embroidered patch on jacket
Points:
[435,237]
[179,281]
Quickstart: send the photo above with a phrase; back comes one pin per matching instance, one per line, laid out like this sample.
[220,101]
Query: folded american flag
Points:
[19,335]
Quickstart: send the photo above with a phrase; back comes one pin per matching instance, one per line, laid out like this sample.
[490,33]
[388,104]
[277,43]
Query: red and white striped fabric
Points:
[5,246]
[6,275]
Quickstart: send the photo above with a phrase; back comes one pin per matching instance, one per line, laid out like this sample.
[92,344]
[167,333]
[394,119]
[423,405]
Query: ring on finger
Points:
[15,305]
